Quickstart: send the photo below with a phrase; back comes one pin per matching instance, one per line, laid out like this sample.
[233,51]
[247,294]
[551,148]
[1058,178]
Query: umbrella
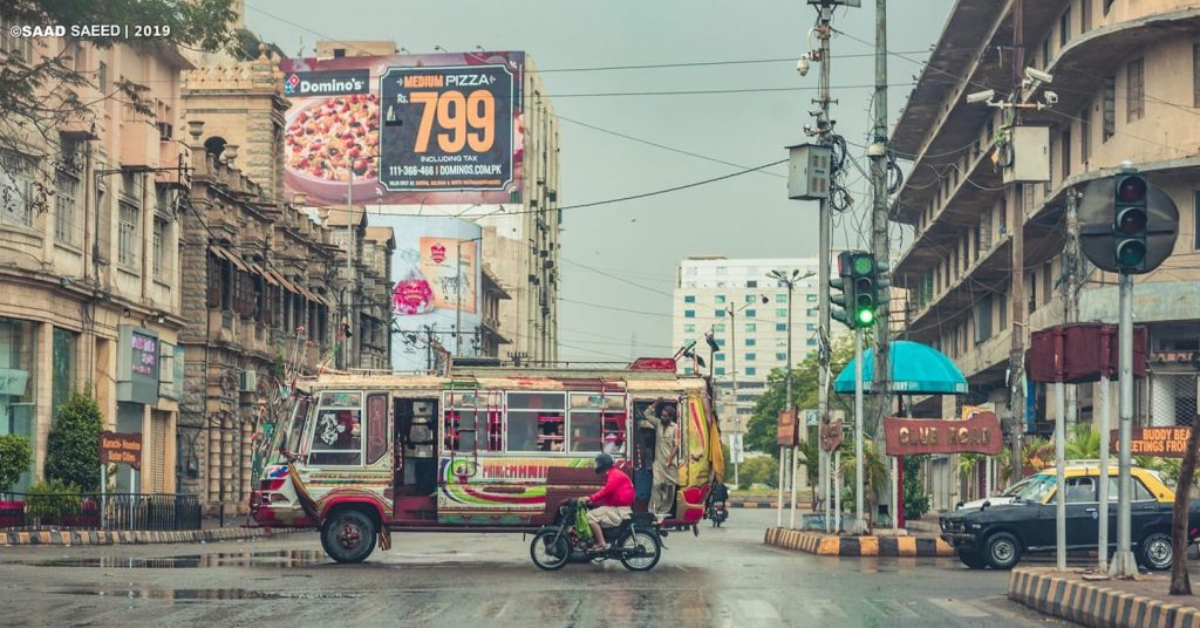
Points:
[916,369]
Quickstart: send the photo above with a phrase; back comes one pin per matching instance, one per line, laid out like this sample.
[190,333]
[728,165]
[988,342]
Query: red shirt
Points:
[617,491]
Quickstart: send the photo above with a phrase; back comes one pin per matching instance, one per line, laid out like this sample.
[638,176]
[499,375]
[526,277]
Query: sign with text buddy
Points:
[121,448]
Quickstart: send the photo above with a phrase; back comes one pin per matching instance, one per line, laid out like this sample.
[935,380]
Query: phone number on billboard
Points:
[447,128]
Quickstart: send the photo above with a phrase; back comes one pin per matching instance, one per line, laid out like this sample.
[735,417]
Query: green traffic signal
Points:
[866,317]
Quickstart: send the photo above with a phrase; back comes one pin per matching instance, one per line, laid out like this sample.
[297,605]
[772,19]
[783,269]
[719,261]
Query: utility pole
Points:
[737,418]
[1016,222]
[1071,290]
[859,518]
[879,153]
[1123,563]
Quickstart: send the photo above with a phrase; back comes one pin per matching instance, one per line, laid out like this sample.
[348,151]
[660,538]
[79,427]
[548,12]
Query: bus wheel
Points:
[348,536]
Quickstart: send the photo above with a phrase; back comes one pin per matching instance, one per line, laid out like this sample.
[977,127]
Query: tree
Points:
[916,502]
[875,475]
[760,470]
[1181,584]
[41,94]
[763,428]
[73,448]
[14,459]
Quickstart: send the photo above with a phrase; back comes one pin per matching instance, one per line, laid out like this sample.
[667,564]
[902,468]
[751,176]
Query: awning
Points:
[287,285]
[228,256]
[265,275]
[916,369]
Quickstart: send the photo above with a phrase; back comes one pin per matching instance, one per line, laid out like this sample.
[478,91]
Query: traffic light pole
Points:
[859,521]
[1123,563]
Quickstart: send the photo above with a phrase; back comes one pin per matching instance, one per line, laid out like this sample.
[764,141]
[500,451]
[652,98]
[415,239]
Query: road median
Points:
[63,538]
[823,544]
[1140,603]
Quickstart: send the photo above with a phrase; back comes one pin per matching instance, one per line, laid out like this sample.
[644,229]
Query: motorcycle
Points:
[636,542]
[717,513]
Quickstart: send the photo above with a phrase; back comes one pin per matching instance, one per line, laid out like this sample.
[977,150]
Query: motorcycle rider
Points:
[610,505]
[719,495]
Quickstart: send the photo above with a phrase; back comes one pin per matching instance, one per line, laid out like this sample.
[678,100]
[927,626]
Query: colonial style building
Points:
[1126,75]
[89,275]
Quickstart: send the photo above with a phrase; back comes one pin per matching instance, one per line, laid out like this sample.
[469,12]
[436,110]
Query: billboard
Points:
[405,129]
[436,273]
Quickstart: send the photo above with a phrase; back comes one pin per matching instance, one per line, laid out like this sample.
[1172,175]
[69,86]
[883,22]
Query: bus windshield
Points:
[291,432]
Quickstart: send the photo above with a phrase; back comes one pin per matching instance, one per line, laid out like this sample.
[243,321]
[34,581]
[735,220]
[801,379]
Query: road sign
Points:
[812,417]
[737,454]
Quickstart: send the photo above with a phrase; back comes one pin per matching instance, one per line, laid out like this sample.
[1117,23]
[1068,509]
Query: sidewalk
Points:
[1141,603]
[235,529]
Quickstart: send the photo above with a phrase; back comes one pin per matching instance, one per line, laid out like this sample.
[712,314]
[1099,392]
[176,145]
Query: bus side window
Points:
[377,433]
[338,434]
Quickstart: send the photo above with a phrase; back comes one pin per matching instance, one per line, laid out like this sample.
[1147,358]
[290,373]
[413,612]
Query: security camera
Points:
[1038,75]
[984,96]
[802,65]
[1051,97]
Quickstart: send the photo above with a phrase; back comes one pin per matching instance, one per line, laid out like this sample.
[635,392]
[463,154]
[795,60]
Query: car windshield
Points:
[1016,489]
[1038,488]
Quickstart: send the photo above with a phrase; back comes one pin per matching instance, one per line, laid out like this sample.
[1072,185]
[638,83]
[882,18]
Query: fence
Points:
[112,511]
[1172,398]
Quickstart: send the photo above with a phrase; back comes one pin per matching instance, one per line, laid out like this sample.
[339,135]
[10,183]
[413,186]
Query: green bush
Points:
[52,501]
[15,456]
[73,448]
[759,470]
[916,502]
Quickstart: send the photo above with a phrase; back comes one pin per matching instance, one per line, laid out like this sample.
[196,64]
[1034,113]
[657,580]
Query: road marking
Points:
[958,608]
[758,609]
[822,608]
[891,608]
[491,609]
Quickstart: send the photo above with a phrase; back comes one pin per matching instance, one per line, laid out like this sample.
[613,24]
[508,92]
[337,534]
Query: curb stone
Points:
[1094,605]
[832,545]
[125,537]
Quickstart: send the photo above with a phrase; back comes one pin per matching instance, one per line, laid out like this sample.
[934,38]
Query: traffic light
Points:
[865,277]
[1129,221]
[847,289]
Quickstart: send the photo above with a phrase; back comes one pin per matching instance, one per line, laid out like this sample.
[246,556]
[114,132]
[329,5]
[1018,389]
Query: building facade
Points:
[1127,79]
[89,278]
[747,313]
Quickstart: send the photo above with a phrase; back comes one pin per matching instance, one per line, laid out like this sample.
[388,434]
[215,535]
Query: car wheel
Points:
[349,536]
[971,559]
[1157,551]
[1003,550]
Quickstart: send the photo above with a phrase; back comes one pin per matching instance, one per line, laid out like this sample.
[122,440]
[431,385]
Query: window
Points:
[749,298]
[751,342]
[810,327]
[719,327]
[596,423]
[781,312]
[812,342]
[1046,52]
[689,298]
[1031,282]
[810,312]
[1107,5]
[720,342]
[751,371]
[1004,305]
[1196,221]
[811,298]
[66,190]
[721,270]
[781,357]
[127,236]
[751,327]
[16,189]
[63,365]
[19,46]
[1085,16]
[536,421]
[983,318]
[780,326]
[1064,142]
[1081,490]
[687,370]
[750,357]
[719,357]
[720,370]
[751,283]
[1064,28]
[1196,75]
[337,438]
[1135,90]
[1047,282]
[102,77]
[160,248]
[689,328]
[781,298]
[751,313]
[719,314]
[689,313]
[1085,135]
[720,298]
[377,423]
[1140,492]
[1110,107]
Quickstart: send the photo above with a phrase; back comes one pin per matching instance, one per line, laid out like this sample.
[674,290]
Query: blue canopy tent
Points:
[917,369]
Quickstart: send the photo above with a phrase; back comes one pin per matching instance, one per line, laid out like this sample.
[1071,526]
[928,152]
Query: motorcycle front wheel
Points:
[548,552]
[640,550]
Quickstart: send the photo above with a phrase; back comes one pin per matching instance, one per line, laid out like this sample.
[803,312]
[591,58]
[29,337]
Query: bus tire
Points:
[348,536]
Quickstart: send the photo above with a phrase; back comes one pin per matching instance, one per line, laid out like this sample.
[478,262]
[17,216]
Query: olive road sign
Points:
[1162,442]
[117,448]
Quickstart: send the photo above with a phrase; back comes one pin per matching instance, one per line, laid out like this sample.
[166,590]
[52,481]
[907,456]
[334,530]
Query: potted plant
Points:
[14,460]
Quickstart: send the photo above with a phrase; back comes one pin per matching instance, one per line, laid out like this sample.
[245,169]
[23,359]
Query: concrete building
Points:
[89,273]
[1127,78]
[490,335]
[364,295]
[708,288]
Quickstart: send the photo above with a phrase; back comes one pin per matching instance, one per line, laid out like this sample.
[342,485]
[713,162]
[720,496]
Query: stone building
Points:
[1127,79]
[89,275]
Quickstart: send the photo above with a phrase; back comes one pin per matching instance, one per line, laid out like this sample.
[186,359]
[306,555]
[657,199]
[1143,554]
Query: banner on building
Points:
[121,448]
[406,129]
[978,434]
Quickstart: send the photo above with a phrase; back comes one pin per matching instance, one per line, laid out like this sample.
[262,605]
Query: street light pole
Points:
[1123,563]
[737,418]
[790,282]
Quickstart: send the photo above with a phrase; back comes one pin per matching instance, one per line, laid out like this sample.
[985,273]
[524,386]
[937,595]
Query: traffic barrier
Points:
[1093,605]
[834,545]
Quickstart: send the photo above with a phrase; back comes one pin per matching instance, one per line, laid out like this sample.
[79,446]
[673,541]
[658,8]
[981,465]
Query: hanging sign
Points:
[979,434]
[788,434]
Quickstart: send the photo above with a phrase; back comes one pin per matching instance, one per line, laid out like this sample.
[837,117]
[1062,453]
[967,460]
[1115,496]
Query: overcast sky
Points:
[607,249]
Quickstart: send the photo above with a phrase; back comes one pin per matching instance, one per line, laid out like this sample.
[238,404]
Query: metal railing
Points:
[111,511]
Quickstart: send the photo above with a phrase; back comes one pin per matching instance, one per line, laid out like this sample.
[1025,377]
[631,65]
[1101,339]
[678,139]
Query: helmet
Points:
[604,462]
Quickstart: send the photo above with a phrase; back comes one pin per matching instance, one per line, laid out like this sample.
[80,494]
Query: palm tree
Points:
[1036,453]
[1083,443]
[875,476]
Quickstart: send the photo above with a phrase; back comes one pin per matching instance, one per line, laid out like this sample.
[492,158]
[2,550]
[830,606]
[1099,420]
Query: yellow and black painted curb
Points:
[833,545]
[127,537]
[751,503]
[1096,606]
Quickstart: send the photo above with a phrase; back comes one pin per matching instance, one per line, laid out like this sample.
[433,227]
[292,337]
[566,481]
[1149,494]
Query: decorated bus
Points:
[480,448]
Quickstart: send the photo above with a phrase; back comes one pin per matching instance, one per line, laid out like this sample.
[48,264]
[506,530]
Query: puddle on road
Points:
[280,559]
[185,595]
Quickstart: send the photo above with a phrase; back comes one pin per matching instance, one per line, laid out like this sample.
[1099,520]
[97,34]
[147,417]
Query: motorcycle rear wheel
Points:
[550,554]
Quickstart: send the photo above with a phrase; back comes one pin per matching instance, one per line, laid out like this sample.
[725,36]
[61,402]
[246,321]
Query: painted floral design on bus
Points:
[501,482]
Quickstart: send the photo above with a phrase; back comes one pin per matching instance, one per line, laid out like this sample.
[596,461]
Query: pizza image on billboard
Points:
[447,127]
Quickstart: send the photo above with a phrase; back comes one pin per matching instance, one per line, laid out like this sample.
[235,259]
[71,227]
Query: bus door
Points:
[415,480]
[471,422]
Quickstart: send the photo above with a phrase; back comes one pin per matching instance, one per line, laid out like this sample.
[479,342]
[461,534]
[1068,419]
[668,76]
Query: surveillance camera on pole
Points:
[802,65]
[984,96]
[1035,74]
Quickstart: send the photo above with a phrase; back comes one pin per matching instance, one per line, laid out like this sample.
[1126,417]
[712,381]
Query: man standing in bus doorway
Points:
[662,417]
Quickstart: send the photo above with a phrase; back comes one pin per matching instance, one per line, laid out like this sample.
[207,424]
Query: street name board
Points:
[117,448]
[788,433]
[978,434]
[1163,442]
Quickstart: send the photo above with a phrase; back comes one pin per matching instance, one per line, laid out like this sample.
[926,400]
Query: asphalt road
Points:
[724,578]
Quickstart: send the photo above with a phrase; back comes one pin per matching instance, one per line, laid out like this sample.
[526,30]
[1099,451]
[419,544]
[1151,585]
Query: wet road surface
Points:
[724,578]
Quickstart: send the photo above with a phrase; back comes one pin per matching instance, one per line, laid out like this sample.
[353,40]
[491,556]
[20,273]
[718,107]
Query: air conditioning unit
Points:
[165,131]
[249,381]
